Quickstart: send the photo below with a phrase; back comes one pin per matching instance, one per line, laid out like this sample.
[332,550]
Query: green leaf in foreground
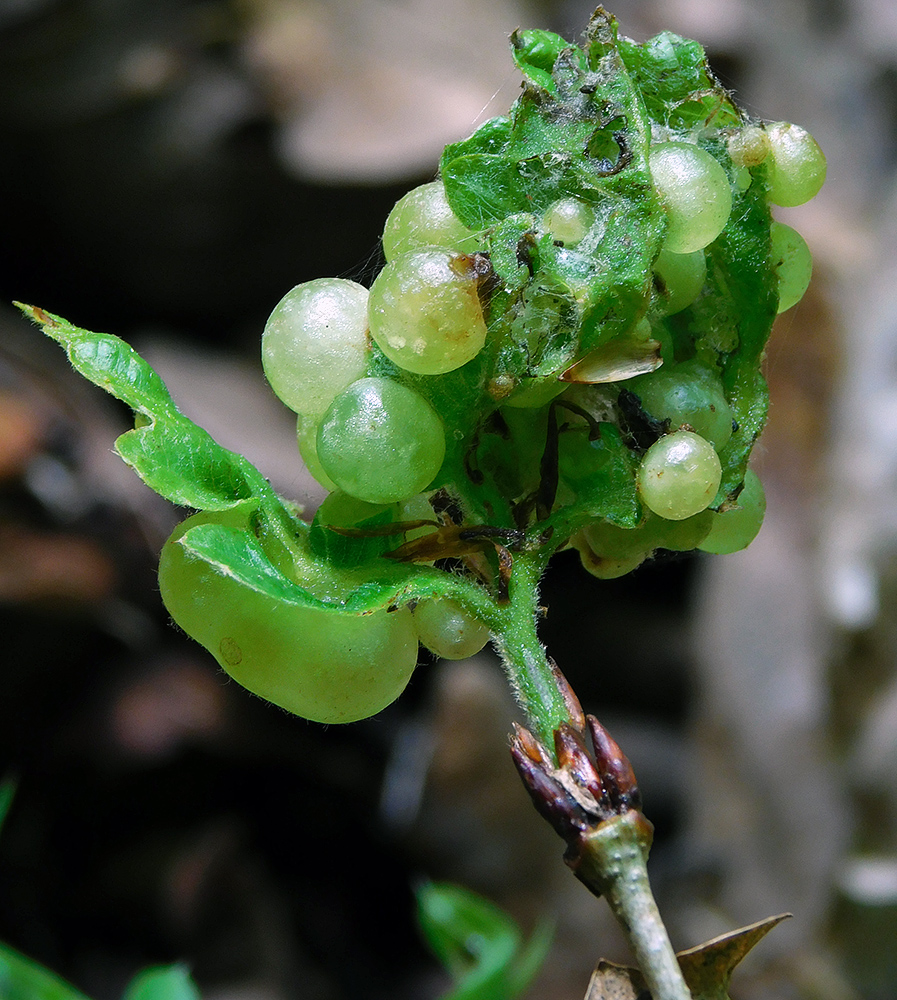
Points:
[164,982]
[7,793]
[479,944]
[21,978]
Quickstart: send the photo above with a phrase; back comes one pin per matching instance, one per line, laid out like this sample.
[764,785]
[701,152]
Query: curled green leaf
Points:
[174,457]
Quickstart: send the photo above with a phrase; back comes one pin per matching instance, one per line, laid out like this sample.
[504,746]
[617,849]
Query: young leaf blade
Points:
[746,303]
[478,943]
[236,553]
[531,958]
[164,982]
[171,454]
[184,464]
[21,978]
[7,793]
[677,83]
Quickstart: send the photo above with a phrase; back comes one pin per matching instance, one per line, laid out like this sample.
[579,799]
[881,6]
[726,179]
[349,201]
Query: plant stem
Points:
[611,858]
[523,655]
[613,862]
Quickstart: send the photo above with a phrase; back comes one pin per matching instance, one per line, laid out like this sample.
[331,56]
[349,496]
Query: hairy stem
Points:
[523,655]
[610,858]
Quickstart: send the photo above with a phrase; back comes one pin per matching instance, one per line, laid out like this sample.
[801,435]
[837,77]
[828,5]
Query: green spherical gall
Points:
[307,439]
[796,165]
[568,220]
[793,264]
[687,393]
[326,666]
[679,475]
[611,541]
[423,218]
[605,567]
[653,533]
[678,279]
[425,312]
[446,629]
[416,508]
[315,343]
[735,529]
[677,536]
[694,190]
[340,510]
[381,441]
[749,146]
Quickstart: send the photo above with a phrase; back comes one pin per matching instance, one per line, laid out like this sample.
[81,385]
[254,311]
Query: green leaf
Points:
[382,584]
[676,82]
[485,187]
[602,473]
[464,186]
[173,456]
[535,53]
[7,793]
[164,982]
[530,960]
[586,136]
[491,137]
[22,978]
[743,306]
[271,553]
[478,943]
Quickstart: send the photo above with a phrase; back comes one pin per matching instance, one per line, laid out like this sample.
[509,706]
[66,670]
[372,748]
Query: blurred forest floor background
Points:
[169,170]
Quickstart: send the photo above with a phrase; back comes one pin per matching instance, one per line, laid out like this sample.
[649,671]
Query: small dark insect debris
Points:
[477,265]
[473,471]
[526,245]
[443,502]
[594,425]
[496,424]
[640,429]
[548,468]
